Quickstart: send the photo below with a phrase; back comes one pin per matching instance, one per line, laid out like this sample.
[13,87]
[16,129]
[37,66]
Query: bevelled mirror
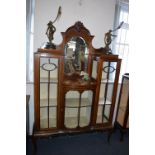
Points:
[76,56]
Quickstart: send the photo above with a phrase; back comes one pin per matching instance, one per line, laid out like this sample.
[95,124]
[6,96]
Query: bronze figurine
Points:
[108,38]
[51,29]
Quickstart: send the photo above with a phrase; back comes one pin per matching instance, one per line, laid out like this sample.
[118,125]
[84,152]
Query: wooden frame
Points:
[122,115]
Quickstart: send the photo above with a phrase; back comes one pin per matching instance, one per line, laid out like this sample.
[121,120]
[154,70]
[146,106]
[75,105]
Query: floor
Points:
[82,144]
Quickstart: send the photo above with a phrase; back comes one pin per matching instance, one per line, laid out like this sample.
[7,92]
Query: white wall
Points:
[96,15]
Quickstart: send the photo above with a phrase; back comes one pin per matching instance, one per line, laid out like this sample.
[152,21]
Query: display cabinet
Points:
[122,116]
[75,85]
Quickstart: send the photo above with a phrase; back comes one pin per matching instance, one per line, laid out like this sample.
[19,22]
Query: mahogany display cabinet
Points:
[75,85]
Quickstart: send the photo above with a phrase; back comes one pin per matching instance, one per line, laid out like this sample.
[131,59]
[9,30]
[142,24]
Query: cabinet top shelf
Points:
[75,82]
[45,80]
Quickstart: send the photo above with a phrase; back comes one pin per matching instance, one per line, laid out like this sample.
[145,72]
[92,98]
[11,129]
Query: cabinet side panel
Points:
[37,90]
[115,89]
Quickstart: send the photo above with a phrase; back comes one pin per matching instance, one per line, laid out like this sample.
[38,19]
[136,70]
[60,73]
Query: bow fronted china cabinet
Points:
[75,85]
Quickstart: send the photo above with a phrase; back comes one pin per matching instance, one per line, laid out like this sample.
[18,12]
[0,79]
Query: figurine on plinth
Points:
[51,30]
[108,38]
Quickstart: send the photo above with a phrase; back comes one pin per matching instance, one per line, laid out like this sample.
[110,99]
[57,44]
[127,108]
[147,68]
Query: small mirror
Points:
[76,55]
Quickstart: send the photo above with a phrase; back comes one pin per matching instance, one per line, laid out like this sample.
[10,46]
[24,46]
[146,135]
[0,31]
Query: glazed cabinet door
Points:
[78,106]
[46,91]
[107,91]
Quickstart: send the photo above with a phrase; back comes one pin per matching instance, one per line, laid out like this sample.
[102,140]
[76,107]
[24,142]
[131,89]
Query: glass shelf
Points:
[99,119]
[107,81]
[74,102]
[45,80]
[48,116]
[72,122]
[44,123]
[44,102]
[101,101]
[103,118]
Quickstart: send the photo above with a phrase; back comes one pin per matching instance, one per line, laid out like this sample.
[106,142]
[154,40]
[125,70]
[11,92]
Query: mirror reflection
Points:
[76,54]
